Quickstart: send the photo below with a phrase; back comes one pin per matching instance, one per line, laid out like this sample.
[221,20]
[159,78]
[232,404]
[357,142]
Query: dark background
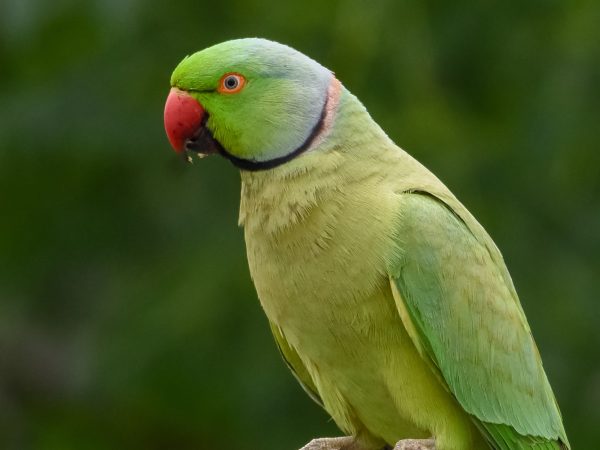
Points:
[127,316]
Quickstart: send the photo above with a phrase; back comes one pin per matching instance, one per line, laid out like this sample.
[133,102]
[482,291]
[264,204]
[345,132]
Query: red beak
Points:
[183,118]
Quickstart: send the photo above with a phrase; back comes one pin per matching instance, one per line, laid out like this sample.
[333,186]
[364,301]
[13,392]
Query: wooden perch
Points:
[415,444]
[346,443]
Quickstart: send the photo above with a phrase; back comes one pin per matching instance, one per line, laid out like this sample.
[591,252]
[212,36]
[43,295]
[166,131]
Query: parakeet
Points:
[389,302]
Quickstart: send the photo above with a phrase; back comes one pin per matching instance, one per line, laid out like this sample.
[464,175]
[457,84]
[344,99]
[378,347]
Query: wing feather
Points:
[458,303]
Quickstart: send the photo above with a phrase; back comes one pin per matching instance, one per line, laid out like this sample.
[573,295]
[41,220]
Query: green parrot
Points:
[389,302]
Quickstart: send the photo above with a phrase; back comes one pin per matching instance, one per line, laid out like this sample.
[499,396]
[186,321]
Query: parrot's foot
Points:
[415,444]
[338,443]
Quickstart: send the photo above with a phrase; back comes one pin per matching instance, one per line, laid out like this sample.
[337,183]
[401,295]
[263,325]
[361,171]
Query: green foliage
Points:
[127,315]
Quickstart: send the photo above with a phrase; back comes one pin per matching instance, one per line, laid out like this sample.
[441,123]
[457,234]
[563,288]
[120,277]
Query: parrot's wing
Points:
[295,364]
[458,305]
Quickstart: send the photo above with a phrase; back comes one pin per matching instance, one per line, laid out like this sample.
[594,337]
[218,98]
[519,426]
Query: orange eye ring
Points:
[231,83]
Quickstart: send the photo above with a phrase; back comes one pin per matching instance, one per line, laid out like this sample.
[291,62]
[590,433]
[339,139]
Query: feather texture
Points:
[468,320]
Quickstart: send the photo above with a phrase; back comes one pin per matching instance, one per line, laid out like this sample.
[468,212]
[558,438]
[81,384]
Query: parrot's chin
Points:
[202,143]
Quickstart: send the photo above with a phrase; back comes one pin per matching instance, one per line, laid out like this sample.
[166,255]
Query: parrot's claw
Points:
[338,443]
[415,444]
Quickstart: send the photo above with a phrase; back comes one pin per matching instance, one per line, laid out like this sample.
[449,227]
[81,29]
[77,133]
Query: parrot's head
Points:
[254,101]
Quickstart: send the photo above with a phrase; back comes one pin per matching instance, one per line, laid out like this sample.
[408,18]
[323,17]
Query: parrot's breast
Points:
[314,257]
[318,249]
[321,233]
[321,279]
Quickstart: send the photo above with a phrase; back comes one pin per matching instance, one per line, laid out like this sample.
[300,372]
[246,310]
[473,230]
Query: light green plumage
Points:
[387,299]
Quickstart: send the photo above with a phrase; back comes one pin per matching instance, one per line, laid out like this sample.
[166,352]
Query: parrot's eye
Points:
[231,83]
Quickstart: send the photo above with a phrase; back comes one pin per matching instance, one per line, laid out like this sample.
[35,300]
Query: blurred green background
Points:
[127,316]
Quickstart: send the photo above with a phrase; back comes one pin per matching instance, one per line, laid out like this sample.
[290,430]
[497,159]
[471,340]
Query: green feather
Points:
[469,324]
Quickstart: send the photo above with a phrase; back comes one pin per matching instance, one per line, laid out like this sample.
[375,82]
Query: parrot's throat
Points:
[205,143]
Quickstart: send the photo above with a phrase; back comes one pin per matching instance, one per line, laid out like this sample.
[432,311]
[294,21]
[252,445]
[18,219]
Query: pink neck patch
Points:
[334,92]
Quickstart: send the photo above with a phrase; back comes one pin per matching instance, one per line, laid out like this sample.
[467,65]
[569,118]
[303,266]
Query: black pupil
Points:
[231,82]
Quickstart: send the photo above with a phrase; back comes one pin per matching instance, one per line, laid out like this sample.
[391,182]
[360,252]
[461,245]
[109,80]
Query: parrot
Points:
[387,299]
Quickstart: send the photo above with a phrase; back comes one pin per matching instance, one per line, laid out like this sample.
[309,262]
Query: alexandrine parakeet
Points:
[387,299]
